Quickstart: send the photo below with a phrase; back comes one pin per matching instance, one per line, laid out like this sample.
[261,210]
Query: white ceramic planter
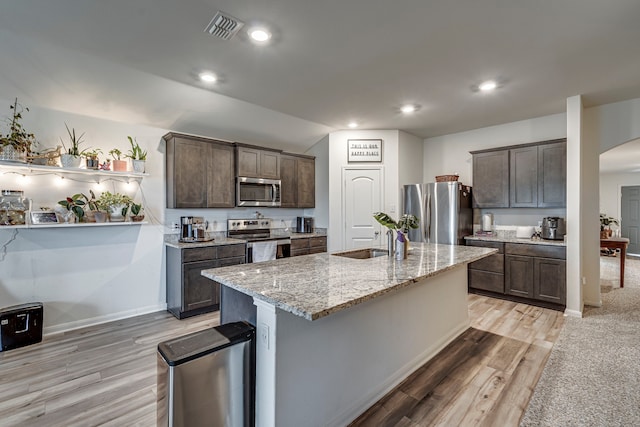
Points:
[138,166]
[9,153]
[115,213]
[70,161]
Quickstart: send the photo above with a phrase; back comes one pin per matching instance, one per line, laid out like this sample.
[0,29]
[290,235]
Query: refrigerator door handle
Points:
[427,228]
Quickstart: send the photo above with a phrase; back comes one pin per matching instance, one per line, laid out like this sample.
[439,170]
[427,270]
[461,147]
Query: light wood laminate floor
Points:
[106,374]
[483,378]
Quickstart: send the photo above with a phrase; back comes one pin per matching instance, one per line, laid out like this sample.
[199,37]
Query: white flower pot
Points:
[115,213]
[138,166]
[9,153]
[70,161]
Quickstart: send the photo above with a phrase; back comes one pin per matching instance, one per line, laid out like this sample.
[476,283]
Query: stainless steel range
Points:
[258,230]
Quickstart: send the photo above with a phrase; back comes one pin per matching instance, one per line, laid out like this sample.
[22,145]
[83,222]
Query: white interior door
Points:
[361,198]
[630,224]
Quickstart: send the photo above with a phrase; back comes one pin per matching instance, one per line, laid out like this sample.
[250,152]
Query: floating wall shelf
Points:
[97,175]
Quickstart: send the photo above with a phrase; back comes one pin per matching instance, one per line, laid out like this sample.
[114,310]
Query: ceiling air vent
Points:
[224,26]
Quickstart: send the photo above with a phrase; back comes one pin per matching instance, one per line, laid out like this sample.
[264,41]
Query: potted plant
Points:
[401,228]
[91,156]
[116,204]
[16,145]
[137,155]
[75,205]
[136,212]
[605,225]
[72,156]
[119,165]
[94,212]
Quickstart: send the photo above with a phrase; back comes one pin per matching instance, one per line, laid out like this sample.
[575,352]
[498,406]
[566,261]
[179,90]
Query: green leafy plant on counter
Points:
[606,221]
[74,204]
[402,226]
[136,153]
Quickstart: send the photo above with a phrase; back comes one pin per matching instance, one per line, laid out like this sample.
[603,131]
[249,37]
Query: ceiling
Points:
[330,62]
[624,158]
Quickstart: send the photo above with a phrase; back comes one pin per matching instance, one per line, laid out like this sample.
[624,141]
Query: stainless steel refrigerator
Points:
[444,211]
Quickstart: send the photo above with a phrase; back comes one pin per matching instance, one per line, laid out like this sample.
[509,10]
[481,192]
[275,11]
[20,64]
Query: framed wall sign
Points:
[365,150]
[44,217]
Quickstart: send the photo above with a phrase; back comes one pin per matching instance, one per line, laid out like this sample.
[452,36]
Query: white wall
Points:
[86,275]
[338,161]
[611,191]
[449,154]
[410,149]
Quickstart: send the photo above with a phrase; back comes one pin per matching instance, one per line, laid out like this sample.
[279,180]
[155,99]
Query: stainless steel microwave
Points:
[257,192]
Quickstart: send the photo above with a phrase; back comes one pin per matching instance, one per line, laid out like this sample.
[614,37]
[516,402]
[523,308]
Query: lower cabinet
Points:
[308,245]
[188,292]
[531,272]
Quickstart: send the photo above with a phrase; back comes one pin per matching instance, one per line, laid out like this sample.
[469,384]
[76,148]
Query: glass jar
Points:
[13,207]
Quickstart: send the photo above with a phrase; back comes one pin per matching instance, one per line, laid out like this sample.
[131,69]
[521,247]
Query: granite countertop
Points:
[507,239]
[315,286]
[307,235]
[173,241]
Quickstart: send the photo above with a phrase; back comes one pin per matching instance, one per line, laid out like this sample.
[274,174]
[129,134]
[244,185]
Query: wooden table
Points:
[617,243]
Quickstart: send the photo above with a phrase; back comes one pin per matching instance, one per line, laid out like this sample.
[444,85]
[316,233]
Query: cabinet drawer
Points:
[486,281]
[299,252]
[230,261]
[317,250]
[299,244]
[230,251]
[493,263]
[484,244]
[315,242]
[545,251]
[199,254]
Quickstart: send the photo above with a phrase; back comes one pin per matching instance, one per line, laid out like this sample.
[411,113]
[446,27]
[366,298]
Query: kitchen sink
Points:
[363,253]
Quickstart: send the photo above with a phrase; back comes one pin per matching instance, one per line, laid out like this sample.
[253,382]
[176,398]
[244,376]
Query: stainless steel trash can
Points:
[207,378]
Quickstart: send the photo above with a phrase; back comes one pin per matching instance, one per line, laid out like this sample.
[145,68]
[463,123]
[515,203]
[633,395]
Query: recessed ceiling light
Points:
[259,34]
[353,125]
[208,77]
[487,86]
[409,108]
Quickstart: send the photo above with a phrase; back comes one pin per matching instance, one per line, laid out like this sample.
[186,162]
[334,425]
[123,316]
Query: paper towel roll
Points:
[487,222]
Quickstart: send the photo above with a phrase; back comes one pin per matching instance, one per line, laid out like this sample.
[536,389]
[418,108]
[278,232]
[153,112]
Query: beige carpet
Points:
[592,377]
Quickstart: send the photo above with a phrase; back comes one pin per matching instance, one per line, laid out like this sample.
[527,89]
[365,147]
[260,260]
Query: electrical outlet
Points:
[264,335]
[175,226]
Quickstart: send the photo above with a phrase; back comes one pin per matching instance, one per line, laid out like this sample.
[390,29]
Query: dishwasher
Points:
[207,378]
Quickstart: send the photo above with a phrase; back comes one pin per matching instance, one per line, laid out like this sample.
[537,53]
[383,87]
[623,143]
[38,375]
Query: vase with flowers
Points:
[401,230]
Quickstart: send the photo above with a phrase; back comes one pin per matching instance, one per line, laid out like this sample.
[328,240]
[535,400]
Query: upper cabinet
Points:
[200,172]
[522,176]
[491,179]
[298,176]
[254,162]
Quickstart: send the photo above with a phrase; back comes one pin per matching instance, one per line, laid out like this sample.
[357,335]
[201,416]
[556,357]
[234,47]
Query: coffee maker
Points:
[553,228]
[186,228]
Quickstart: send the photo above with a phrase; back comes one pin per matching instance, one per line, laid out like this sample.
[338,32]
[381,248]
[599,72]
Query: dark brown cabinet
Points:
[552,175]
[521,176]
[188,292]
[308,245]
[298,175]
[487,274]
[200,172]
[256,162]
[536,271]
[491,179]
[531,273]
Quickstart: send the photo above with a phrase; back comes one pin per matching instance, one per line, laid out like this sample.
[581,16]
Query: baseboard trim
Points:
[593,303]
[92,321]
[572,313]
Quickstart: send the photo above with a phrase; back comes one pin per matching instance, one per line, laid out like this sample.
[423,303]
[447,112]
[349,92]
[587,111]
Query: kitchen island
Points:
[336,333]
